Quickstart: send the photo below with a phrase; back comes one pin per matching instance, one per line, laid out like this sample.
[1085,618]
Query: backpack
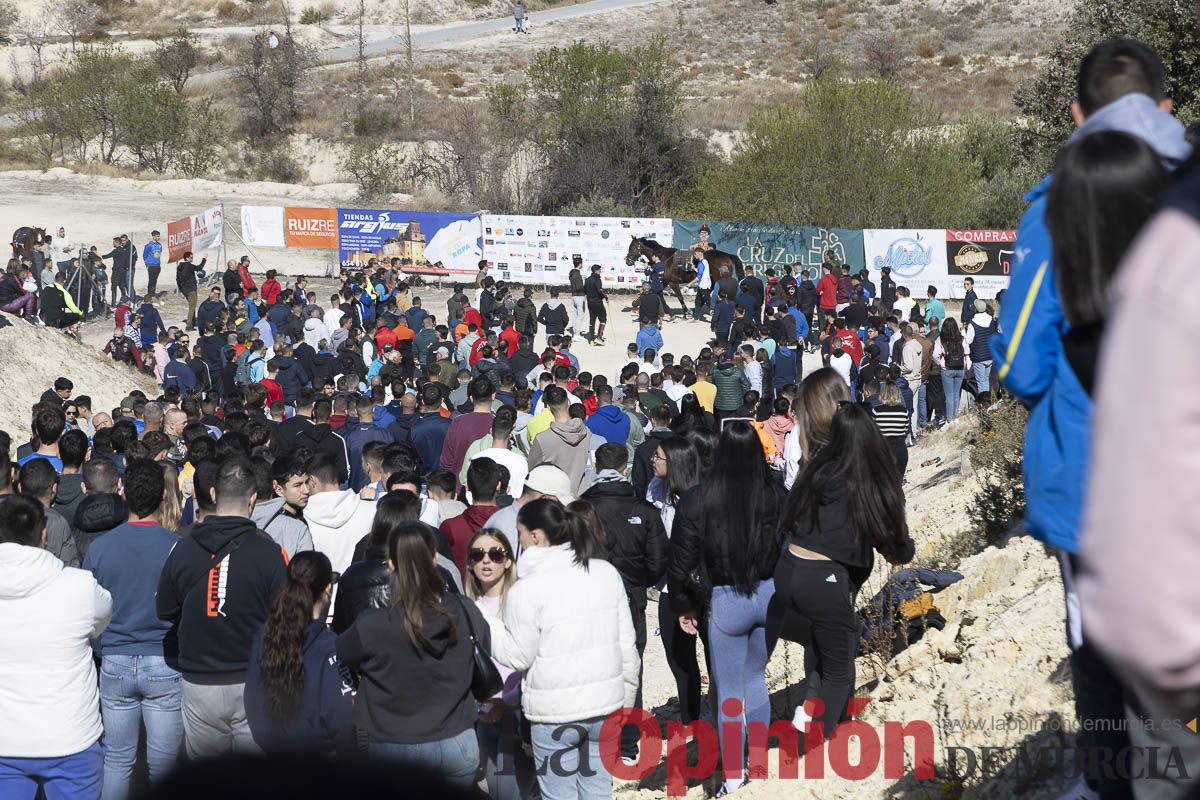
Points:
[955,360]
[245,361]
[119,349]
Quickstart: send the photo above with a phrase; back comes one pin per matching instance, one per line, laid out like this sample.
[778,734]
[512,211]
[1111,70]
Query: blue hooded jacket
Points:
[1028,350]
[610,423]
[649,337]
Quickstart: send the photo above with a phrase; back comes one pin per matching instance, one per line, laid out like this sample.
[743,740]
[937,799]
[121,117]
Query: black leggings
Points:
[596,313]
[824,609]
[680,648]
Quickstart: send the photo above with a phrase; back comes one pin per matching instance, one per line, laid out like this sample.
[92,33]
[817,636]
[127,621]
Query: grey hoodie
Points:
[288,532]
[566,446]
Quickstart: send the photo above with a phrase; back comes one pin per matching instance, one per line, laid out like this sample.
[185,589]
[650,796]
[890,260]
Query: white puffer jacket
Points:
[569,630]
[49,700]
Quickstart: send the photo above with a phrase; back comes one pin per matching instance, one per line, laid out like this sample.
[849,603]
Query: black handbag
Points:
[485,677]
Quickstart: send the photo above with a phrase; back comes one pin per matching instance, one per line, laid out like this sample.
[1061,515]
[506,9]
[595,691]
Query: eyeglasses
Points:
[72,413]
[658,457]
[496,555]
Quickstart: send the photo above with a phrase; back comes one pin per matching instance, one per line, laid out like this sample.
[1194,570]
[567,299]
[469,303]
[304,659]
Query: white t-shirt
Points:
[514,462]
[842,364]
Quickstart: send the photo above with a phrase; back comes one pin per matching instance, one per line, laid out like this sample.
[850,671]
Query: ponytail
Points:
[282,656]
[574,525]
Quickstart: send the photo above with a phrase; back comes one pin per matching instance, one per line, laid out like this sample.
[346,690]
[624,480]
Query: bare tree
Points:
[36,31]
[884,55]
[362,53]
[8,18]
[75,17]
[406,7]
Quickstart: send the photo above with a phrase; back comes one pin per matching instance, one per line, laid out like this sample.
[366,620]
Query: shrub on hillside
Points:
[996,455]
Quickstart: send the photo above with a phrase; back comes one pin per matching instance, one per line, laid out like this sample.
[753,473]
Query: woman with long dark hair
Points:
[365,583]
[692,416]
[846,504]
[705,442]
[950,353]
[677,468]
[298,698]
[415,660]
[817,399]
[567,626]
[725,543]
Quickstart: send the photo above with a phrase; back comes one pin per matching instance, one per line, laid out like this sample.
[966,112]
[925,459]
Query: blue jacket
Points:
[357,436]
[415,317]
[722,318]
[178,373]
[785,366]
[649,337]
[152,254]
[1028,349]
[428,435]
[152,323]
[610,423]
[802,328]
[324,721]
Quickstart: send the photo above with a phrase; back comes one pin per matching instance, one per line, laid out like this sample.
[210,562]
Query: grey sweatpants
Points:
[214,720]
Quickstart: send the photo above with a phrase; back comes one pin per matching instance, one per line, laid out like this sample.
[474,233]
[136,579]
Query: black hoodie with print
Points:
[96,515]
[220,606]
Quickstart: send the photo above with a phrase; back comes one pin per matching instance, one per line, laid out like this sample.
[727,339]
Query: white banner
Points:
[208,229]
[541,249]
[917,259]
[262,226]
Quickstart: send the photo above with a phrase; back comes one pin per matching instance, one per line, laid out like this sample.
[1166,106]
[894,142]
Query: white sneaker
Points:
[801,718]
[1080,791]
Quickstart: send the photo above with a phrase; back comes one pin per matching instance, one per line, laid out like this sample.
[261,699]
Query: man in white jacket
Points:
[49,698]
[338,519]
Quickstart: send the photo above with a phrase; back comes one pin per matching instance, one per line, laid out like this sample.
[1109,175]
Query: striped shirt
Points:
[892,421]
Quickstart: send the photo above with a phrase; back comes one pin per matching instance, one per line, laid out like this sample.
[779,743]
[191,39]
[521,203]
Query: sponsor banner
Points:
[262,226]
[311,228]
[541,249]
[203,231]
[422,238]
[985,256]
[917,259]
[762,247]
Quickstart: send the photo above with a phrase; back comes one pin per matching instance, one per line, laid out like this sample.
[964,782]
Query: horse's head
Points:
[634,252]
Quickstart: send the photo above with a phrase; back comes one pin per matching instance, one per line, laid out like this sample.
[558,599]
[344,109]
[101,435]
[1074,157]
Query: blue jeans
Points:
[922,407]
[508,771]
[982,370]
[454,760]
[133,690]
[568,760]
[952,381]
[737,633]
[73,777]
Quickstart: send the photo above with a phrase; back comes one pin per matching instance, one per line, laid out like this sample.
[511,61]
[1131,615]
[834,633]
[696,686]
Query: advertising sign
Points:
[541,249]
[423,238]
[203,231]
[917,259]
[985,256]
[762,247]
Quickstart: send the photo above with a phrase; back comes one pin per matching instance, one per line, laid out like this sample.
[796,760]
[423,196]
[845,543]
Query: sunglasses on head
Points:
[496,554]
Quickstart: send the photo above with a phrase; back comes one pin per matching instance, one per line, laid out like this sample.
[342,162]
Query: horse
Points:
[23,240]
[679,269]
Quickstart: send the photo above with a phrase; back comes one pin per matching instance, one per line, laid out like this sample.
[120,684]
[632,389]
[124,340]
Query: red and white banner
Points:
[203,231]
[275,226]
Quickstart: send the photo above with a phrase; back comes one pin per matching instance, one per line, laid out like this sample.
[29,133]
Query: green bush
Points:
[377,167]
[996,456]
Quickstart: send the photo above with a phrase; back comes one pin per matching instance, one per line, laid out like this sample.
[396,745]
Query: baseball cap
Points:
[980,306]
[127,404]
[387,348]
[551,480]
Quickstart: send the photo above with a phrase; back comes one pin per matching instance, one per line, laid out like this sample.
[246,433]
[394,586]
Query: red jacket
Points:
[270,291]
[845,286]
[827,290]
[513,338]
[475,348]
[274,392]
[471,317]
[384,336]
[244,276]
[459,530]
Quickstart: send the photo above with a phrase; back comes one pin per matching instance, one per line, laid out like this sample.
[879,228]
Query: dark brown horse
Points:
[680,268]
[23,240]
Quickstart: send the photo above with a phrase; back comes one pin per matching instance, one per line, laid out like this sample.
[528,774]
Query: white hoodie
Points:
[49,698]
[314,332]
[570,631]
[337,521]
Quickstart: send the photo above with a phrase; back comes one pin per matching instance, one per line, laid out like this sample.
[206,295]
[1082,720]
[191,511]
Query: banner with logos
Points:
[541,249]
[423,238]
[196,233]
[984,256]
[762,247]
[917,259]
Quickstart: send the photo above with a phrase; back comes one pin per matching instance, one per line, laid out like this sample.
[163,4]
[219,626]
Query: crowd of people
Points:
[350,526]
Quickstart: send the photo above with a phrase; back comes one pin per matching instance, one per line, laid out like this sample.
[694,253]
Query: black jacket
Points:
[806,297]
[321,438]
[185,276]
[54,306]
[362,587]
[220,608]
[231,282]
[593,287]
[575,277]
[292,378]
[694,567]
[409,695]
[324,721]
[643,471]
[633,535]
[285,438]
[96,515]
[555,320]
